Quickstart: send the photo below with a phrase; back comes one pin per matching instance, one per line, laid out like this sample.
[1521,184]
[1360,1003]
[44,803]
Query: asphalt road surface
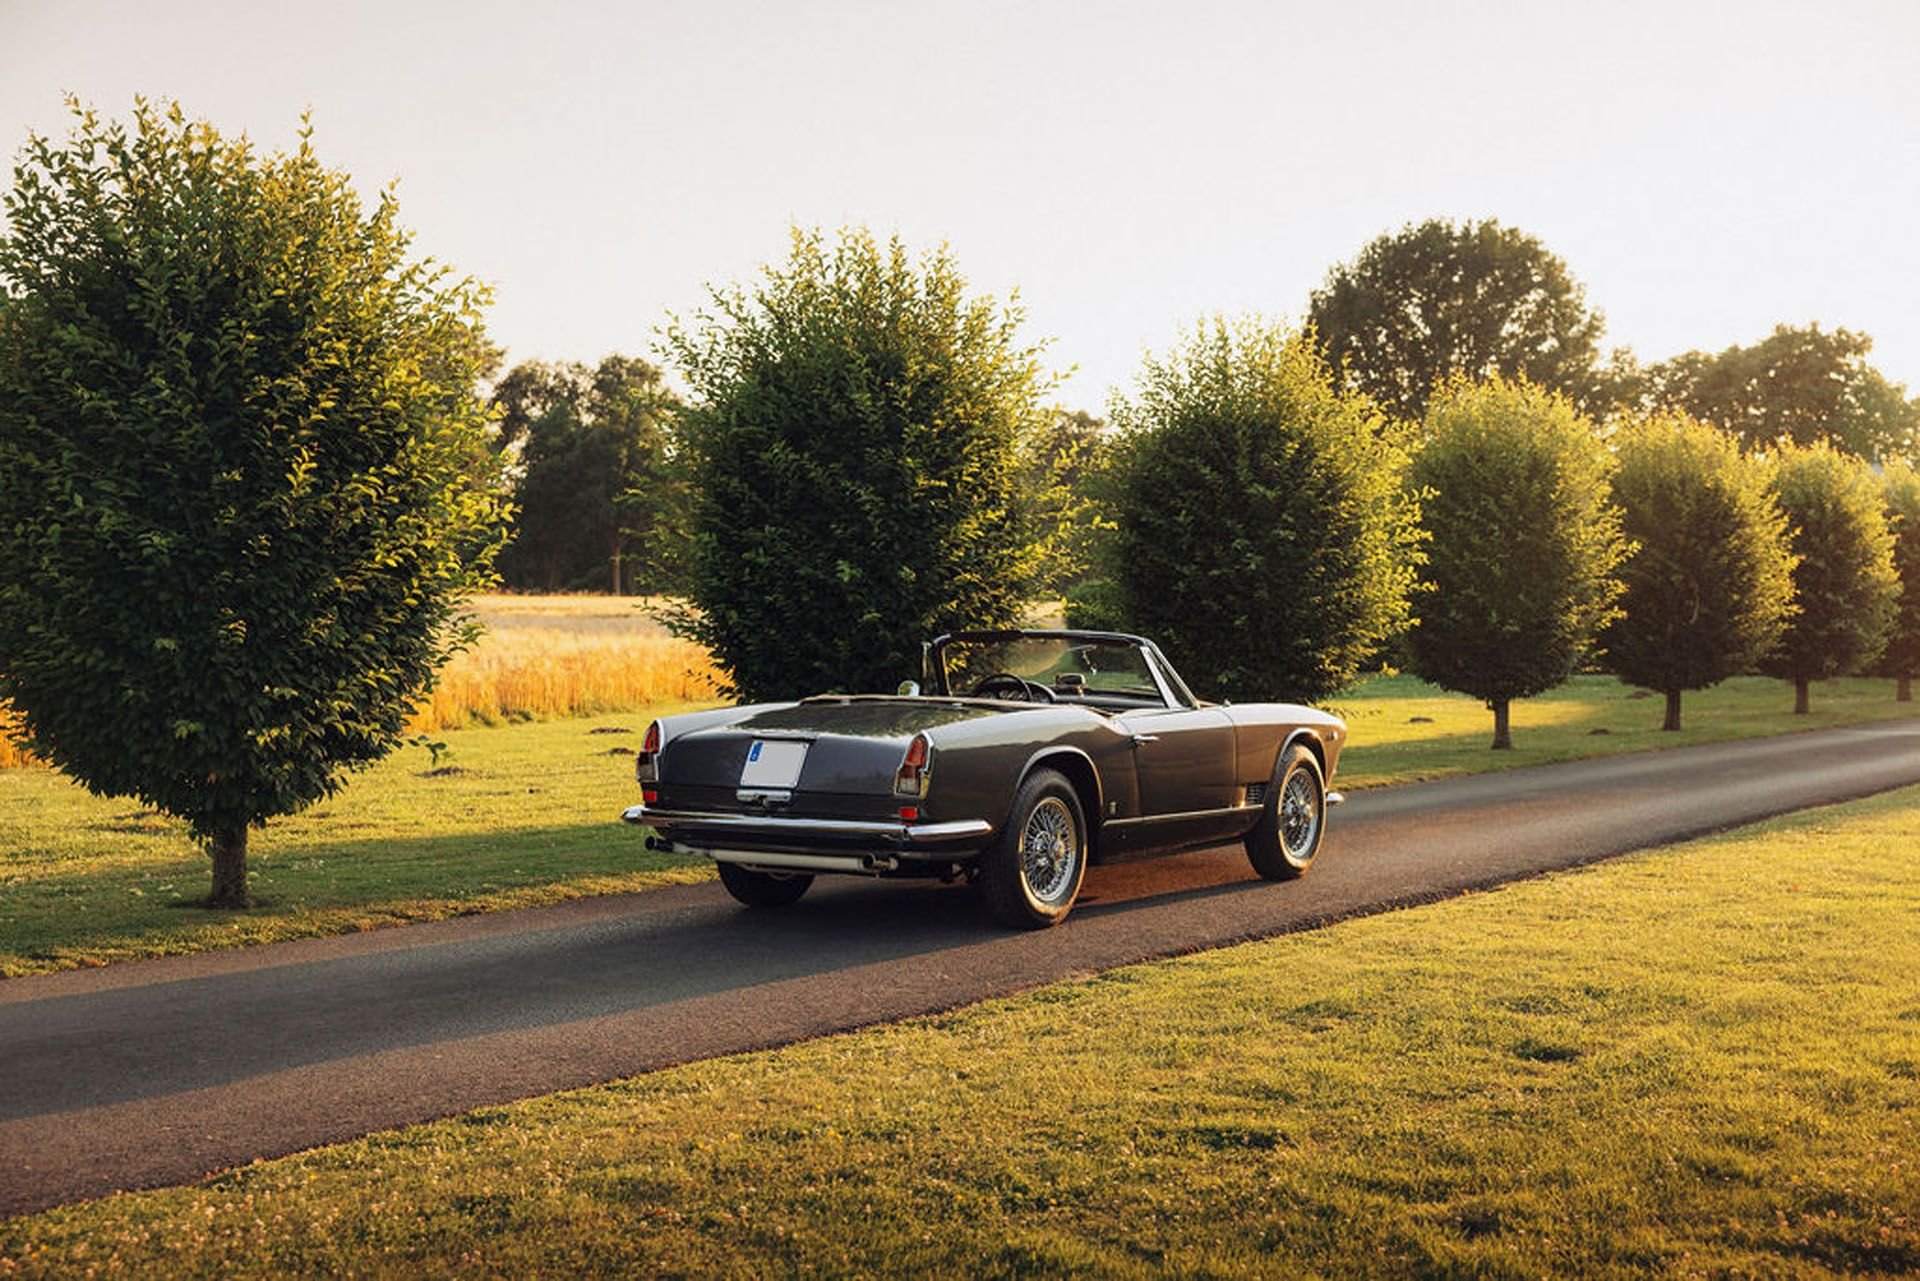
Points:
[162,1071]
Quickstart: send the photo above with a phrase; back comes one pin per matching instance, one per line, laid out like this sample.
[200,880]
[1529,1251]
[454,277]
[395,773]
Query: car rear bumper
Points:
[813,844]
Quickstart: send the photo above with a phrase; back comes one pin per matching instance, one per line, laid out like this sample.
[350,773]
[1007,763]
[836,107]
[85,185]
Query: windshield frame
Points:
[1173,691]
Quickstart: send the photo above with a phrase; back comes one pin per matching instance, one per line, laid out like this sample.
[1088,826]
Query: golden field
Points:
[548,656]
[11,754]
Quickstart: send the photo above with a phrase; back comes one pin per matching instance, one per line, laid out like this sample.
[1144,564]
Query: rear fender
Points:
[1082,773]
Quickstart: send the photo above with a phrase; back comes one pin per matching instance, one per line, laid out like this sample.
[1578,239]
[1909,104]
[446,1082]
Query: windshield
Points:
[1066,666]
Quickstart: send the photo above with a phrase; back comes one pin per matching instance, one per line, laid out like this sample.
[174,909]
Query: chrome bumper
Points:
[821,837]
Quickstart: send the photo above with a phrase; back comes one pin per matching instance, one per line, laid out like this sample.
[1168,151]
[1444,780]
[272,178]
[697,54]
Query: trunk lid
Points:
[853,746]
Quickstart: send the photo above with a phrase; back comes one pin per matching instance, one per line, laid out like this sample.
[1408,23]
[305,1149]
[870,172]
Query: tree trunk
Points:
[614,562]
[1903,692]
[1673,711]
[1799,696]
[1502,736]
[229,852]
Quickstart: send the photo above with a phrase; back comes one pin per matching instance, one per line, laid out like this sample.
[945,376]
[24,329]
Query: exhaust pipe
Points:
[879,862]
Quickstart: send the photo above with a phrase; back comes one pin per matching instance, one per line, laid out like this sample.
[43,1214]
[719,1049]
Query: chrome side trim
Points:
[1188,814]
[917,833]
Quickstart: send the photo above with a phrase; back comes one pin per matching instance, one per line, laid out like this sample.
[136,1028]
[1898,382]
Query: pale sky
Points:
[1706,169]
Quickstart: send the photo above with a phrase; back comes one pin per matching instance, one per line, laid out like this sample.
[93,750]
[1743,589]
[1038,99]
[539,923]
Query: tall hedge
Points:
[1844,584]
[1709,582]
[244,480]
[1263,535]
[1525,543]
[852,446]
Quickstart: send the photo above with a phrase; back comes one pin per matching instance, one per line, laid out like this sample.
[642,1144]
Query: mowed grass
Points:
[1703,1060]
[525,813]
[1404,730]
[509,816]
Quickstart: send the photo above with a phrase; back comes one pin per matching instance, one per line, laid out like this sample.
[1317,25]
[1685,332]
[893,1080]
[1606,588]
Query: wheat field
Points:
[548,656]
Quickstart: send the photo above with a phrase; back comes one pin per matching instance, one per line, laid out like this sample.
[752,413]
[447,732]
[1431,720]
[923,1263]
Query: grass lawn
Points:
[1697,1060]
[527,813]
[1405,730]
[511,816]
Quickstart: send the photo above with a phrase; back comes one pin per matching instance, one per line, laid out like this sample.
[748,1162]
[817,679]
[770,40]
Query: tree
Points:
[1263,535]
[1058,465]
[1525,543]
[597,488]
[1442,300]
[853,452]
[1798,385]
[238,498]
[1844,584]
[1709,582]
[1902,655]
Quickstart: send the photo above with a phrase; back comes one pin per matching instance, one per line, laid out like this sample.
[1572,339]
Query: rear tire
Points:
[1031,874]
[1283,842]
[763,889]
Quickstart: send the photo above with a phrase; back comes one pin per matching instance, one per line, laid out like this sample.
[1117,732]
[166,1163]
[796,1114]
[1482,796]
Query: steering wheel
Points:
[1017,686]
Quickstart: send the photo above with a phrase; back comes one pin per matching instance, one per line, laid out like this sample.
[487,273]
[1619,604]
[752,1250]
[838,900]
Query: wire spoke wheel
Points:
[1031,874]
[1049,850]
[1283,840]
[1300,814]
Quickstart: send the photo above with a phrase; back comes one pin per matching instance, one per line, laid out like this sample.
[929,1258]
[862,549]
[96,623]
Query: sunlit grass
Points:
[1404,730]
[507,817]
[1703,1060]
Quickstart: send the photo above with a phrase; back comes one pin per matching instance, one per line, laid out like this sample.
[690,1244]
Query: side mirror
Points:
[908,689]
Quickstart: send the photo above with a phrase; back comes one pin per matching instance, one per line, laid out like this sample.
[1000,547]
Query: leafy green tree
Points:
[1709,582]
[1902,655]
[1798,385]
[1521,570]
[597,489]
[530,391]
[1059,464]
[238,494]
[853,450]
[1442,300]
[1844,585]
[1263,535]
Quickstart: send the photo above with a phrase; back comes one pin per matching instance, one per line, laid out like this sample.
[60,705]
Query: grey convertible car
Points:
[1027,756]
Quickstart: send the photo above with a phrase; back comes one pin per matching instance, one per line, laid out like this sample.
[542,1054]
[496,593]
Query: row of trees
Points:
[246,480]
[600,499]
[1277,535]
[1274,529]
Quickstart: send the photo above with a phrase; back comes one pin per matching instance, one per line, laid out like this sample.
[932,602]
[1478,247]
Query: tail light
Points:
[646,766]
[911,778]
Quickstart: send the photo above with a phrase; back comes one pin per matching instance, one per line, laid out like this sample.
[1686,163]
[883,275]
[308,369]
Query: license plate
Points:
[773,763]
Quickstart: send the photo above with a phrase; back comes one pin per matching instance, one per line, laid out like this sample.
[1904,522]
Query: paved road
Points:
[161,1071]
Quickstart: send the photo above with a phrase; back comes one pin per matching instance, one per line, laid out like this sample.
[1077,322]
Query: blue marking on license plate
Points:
[753,753]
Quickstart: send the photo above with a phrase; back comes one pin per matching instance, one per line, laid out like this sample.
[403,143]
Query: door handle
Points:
[1141,740]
